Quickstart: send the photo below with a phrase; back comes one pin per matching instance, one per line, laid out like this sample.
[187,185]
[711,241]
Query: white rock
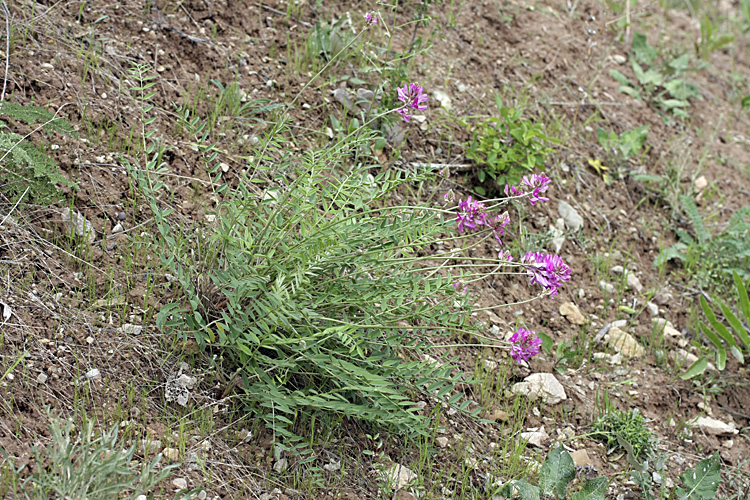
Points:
[536,438]
[663,298]
[281,465]
[541,385]
[442,441]
[180,483]
[713,426]
[572,219]
[42,378]
[571,312]
[700,184]
[224,167]
[618,59]
[399,476]
[172,454]
[94,374]
[624,343]
[443,99]
[581,458]
[141,497]
[653,309]
[618,269]
[77,224]
[609,358]
[606,288]
[129,329]
[634,283]
[558,234]
[118,228]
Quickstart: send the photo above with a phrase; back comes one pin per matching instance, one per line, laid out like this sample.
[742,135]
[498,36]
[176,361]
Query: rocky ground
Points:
[78,333]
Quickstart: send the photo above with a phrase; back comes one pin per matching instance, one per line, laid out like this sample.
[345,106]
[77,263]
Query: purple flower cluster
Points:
[413,96]
[458,289]
[537,184]
[370,18]
[546,269]
[473,213]
[525,345]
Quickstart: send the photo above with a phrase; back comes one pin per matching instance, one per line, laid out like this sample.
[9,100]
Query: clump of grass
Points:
[624,430]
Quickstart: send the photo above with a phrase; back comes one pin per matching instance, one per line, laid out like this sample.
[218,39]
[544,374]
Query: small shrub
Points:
[626,430]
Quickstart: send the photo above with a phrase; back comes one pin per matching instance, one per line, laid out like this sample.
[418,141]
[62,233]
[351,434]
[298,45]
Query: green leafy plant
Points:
[711,259]
[558,471]
[698,483]
[711,40]
[623,146]
[506,147]
[91,466]
[664,85]
[721,337]
[26,168]
[624,430]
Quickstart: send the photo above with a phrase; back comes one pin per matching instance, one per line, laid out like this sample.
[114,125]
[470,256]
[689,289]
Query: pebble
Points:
[572,218]
[618,269]
[42,378]
[535,438]
[541,385]
[399,476]
[634,283]
[653,309]
[714,426]
[141,497]
[129,329]
[121,216]
[663,298]
[180,483]
[77,224]
[224,167]
[571,312]
[281,465]
[94,374]
[618,59]
[171,454]
[606,287]
[442,441]
[624,343]
[700,184]
[444,99]
[581,458]
[117,229]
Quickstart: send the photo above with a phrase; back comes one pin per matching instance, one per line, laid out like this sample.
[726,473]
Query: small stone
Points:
[443,99]
[619,59]
[281,465]
[653,309]
[571,312]
[90,340]
[128,329]
[121,216]
[572,219]
[535,438]
[663,298]
[618,269]
[442,441]
[728,444]
[76,224]
[171,454]
[210,218]
[498,416]
[634,283]
[46,66]
[94,374]
[461,87]
[141,497]
[117,229]
[180,483]
[399,476]
[714,426]
[581,458]
[609,358]
[700,184]
[558,234]
[490,365]
[606,288]
[343,98]
[624,343]
[541,385]
[224,167]
[42,378]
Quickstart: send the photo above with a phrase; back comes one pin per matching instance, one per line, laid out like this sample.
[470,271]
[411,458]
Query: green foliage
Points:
[90,466]
[711,259]
[314,293]
[699,483]
[557,472]
[626,430]
[507,146]
[664,85]
[23,164]
[711,40]
[326,40]
[626,144]
[721,337]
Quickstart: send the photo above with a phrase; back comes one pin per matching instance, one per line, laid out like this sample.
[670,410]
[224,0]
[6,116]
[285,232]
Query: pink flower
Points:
[525,345]
[471,214]
[548,270]
[370,18]
[498,224]
[538,183]
[512,191]
[457,287]
[504,256]
[412,95]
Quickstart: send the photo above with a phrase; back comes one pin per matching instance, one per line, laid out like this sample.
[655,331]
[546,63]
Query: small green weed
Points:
[621,428]
[699,483]
[90,466]
[711,259]
[24,164]
[505,147]
[664,85]
[711,40]
[558,471]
